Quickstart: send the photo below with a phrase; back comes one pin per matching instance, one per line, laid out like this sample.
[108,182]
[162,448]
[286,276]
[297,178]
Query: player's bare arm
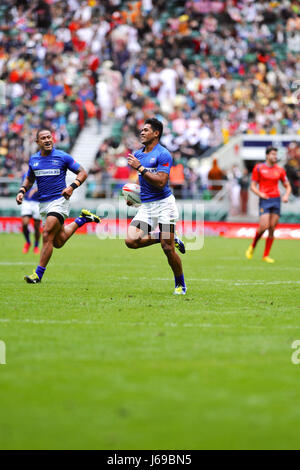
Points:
[28,182]
[159,179]
[81,177]
[255,190]
[285,197]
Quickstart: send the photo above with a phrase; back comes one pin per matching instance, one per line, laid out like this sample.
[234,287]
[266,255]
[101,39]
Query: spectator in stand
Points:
[234,187]
[177,176]
[244,182]
[292,167]
[122,173]
[216,174]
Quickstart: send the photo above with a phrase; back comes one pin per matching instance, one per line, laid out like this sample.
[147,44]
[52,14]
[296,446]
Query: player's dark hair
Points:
[40,130]
[156,125]
[270,149]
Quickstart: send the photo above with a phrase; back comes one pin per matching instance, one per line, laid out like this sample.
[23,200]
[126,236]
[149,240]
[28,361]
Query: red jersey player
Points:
[265,178]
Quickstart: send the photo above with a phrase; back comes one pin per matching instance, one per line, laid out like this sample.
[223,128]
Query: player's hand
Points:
[19,198]
[133,161]
[67,192]
[264,196]
[129,203]
[285,198]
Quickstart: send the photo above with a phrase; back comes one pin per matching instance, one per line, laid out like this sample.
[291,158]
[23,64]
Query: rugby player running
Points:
[48,168]
[265,179]
[153,162]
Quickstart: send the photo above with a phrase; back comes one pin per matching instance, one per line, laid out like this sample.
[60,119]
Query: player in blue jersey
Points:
[153,162]
[48,168]
[30,210]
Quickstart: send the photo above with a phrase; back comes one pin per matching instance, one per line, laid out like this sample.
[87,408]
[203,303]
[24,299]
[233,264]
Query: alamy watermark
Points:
[2,93]
[295,359]
[116,223]
[2,352]
[296,87]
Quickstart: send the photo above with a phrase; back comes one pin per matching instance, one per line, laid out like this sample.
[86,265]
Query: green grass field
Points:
[101,355]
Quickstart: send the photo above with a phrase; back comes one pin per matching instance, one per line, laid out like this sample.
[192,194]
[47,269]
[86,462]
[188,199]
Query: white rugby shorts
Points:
[61,206]
[153,213]
[30,208]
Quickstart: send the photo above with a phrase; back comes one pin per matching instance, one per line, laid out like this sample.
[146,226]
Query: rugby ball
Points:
[131,193]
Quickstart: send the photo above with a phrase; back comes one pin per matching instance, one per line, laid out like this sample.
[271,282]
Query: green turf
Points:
[102,355]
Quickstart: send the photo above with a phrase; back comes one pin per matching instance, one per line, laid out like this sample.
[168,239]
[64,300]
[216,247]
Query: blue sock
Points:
[80,221]
[40,271]
[27,236]
[36,244]
[179,281]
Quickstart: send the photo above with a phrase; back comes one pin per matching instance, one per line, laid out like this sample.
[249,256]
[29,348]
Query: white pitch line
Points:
[141,323]
[251,268]
[264,283]
[33,262]
[16,263]
[235,282]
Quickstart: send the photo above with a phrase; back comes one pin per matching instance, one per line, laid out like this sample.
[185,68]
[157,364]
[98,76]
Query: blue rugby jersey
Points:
[50,173]
[159,159]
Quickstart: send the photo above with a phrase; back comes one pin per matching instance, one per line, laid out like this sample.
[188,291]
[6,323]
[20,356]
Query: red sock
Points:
[269,242]
[256,238]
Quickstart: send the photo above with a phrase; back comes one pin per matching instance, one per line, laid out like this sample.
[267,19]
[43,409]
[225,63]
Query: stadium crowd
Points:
[208,69]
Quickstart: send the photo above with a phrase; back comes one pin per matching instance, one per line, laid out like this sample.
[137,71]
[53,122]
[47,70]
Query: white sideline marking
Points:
[235,282]
[259,283]
[16,263]
[33,262]
[251,268]
[137,323]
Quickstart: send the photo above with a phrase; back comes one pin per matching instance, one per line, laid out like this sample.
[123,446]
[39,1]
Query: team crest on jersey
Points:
[55,162]
[36,164]
[152,160]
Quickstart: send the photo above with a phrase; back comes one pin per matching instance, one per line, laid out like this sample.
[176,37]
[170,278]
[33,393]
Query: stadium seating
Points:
[212,47]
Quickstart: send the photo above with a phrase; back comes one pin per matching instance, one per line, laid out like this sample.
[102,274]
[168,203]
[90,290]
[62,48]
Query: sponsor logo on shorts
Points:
[49,172]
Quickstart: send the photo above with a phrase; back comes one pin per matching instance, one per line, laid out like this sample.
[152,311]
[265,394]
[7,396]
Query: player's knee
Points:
[57,244]
[131,243]
[168,249]
[47,236]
